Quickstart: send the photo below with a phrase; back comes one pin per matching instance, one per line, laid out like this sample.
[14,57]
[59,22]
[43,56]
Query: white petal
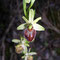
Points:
[38,27]
[21,27]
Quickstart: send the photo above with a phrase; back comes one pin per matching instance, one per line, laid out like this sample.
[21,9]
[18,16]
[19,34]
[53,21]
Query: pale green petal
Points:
[25,19]
[32,53]
[38,27]
[15,40]
[21,27]
[36,20]
[27,1]
[31,15]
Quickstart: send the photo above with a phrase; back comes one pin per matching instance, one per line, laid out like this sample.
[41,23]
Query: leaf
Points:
[36,20]
[32,2]
[31,15]
[21,27]
[25,19]
[16,41]
[32,53]
[38,27]
[27,1]
[24,7]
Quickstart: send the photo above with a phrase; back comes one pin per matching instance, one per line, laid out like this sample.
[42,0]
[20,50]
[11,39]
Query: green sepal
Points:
[25,19]
[31,15]
[21,27]
[38,27]
[16,41]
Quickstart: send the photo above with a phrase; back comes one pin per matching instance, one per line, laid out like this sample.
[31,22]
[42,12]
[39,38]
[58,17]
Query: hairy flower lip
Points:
[30,34]
[19,49]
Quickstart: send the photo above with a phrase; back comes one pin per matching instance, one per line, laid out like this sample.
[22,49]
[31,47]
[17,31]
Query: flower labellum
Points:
[30,58]
[30,34]
[19,49]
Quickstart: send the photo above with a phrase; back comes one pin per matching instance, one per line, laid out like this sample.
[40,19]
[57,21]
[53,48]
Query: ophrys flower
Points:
[31,26]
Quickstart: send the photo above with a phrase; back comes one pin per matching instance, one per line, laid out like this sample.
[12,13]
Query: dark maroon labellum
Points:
[29,34]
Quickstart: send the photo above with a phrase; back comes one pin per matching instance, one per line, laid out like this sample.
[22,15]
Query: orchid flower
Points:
[31,26]
[26,56]
[22,45]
